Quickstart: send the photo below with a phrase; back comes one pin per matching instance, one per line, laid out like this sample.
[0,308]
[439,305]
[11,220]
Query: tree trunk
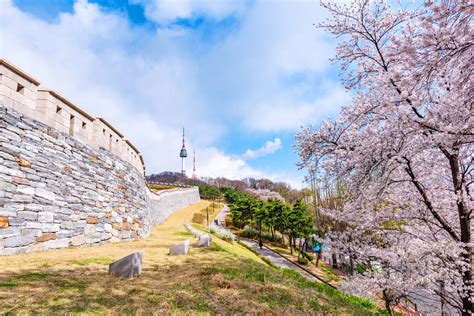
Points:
[302,247]
[465,225]
[318,257]
[351,263]
[387,302]
[334,261]
[290,240]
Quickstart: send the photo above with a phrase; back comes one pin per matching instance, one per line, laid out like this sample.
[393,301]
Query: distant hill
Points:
[259,187]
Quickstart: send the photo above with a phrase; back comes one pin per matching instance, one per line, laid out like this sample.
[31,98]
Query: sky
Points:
[242,77]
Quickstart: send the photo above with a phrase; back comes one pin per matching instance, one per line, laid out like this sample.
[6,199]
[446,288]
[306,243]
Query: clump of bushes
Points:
[250,232]
[308,256]
[222,233]
[303,261]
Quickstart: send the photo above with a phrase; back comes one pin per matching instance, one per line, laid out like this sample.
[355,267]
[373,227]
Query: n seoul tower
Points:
[183,154]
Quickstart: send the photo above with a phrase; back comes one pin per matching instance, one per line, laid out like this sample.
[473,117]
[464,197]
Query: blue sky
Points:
[241,76]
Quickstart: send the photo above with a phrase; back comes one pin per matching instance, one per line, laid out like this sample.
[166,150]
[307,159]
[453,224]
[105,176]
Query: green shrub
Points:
[303,260]
[309,256]
[361,268]
[250,232]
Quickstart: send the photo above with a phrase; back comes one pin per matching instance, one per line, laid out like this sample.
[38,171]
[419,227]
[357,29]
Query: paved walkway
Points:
[222,215]
[276,259]
[279,261]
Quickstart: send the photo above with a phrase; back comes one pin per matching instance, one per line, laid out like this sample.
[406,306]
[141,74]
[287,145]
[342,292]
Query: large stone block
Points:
[15,221]
[57,243]
[9,232]
[204,241]
[23,189]
[17,241]
[180,249]
[15,250]
[27,215]
[78,240]
[30,232]
[89,229]
[94,238]
[45,217]
[128,266]
[3,222]
[48,195]
[92,220]
[50,228]
[46,237]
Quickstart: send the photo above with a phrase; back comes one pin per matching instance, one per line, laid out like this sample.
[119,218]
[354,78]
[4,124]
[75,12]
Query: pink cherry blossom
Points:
[403,150]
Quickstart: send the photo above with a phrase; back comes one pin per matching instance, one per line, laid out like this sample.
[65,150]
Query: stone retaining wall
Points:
[56,191]
[168,201]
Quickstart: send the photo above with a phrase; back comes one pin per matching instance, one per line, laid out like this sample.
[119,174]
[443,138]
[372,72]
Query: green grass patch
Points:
[69,284]
[32,276]
[278,297]
[247,272]
[328,273]
[184,233]
[9,284]
[338,297]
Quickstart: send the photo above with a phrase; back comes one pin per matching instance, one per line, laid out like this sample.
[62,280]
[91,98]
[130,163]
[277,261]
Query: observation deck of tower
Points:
[183,154]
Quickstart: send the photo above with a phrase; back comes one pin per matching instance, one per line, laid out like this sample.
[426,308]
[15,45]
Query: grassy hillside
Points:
[224,278]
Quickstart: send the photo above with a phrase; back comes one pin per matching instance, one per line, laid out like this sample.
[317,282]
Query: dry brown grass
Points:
[200,217]
[224,278]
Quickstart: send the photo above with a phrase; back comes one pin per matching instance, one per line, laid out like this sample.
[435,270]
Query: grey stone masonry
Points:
[56,191]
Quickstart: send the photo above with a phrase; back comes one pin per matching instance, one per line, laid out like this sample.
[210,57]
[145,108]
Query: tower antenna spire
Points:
[183,138]
[183,154]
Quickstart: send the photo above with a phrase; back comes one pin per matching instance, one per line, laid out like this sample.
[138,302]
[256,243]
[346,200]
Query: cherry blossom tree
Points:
[404,148]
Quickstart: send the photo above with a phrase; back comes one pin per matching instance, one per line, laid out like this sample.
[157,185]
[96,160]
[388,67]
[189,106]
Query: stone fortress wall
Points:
[67,178]
[23,93]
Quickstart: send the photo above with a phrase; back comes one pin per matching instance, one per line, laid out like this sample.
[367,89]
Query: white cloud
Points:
[268,148]
[86,57]
[214,163]
[283,114]
[150,84]
[167,11]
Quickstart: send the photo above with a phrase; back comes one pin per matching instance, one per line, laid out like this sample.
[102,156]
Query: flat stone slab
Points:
[204,241]
[180,249]
[128,266]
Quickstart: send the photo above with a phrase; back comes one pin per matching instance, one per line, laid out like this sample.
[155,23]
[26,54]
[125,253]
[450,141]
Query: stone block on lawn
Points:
[204,241]
[128,266]
[180,249]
